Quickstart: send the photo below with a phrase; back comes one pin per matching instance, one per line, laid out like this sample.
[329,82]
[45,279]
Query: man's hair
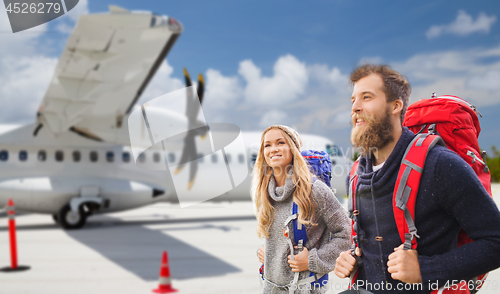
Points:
[396,86]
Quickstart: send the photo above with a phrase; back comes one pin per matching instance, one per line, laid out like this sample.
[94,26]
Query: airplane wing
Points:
[108,61]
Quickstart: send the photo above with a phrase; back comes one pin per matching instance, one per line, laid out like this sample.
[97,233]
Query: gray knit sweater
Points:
[325,241]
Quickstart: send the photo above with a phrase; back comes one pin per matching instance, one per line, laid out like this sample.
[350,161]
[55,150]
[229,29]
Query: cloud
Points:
[287,84]
[24,81]
[490,80]
[21,43]
[371,60]
[462,73]
[80,9]
[463,25]
[332,79]
[327,95]
[65,27]
[273,117]
[24,73]
[66,24]
[313,96]
[162,83]
[342,120]
[221,91]
[307,95]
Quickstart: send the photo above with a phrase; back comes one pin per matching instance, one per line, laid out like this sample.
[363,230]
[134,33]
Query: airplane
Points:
[76,159]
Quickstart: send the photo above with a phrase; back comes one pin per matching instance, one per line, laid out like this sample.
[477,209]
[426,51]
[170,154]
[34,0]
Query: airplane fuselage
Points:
[42,173]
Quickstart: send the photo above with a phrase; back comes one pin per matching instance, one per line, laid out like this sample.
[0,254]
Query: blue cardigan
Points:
[450,197]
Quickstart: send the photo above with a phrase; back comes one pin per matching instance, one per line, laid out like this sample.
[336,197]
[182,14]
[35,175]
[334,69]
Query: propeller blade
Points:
[193,168]
[185,156]
[179,168]
[192,108]
[201,87]
[189,154]
[187,78]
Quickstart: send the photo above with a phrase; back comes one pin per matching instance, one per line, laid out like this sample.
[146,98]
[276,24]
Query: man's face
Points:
[372,127]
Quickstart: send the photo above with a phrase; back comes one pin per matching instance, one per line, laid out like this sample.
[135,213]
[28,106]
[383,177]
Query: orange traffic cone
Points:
[165,285]
[14,267]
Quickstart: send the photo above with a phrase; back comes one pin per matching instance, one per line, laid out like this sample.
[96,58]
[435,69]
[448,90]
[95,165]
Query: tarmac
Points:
[211,248]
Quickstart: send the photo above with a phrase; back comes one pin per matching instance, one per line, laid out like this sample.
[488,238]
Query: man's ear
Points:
[396,106]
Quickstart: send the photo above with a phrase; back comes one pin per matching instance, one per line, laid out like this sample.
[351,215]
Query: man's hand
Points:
[346,263]
[261,254]
[403,265]
[300,261]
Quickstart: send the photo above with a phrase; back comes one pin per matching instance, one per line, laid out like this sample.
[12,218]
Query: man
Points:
[450,197]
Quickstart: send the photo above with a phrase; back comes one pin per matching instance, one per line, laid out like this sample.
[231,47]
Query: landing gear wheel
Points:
[70,220]
[55,217]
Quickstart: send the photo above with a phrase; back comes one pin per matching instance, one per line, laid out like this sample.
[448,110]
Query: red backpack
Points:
[446,120]
[456,121]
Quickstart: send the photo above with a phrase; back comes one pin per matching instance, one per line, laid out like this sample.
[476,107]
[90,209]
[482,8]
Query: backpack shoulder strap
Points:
[351,208]
[351,202]
[299,230]
[407,184]
[353,180]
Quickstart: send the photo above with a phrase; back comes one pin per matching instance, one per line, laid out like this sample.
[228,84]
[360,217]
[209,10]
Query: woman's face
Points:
[276,150]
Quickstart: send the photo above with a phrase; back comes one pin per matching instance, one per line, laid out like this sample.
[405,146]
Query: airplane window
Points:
[126,157]
[214,158]
[110,156]
[201,157]
[241,158]
[77,156]
[94,156]
[4,155]
[23,155]
[171,157]
[338,150]
[142,157]
[228,158]
[156,157]
[42,155]
[329,150]
[254,158]
[59,155]
[334,150]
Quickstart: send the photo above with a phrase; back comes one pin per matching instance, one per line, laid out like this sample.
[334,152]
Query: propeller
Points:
[189,152]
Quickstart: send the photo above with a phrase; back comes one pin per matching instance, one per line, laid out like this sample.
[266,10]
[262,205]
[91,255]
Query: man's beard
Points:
[375,136]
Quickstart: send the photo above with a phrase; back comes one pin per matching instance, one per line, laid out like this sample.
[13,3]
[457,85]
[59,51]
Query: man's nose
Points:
[356,106]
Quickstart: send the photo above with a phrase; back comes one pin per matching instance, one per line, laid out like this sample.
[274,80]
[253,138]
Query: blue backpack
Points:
[320,165]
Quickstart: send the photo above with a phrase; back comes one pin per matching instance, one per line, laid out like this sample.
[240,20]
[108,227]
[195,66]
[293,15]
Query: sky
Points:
[287,62]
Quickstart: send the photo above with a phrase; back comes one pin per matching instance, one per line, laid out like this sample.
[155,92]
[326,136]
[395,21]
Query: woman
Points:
[281,177]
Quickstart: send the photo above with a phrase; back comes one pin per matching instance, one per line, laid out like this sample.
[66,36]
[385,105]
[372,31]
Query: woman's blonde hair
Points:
[302,180]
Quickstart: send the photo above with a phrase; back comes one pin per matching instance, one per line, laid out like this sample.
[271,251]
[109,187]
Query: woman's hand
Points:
[260,254]
[300,261]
